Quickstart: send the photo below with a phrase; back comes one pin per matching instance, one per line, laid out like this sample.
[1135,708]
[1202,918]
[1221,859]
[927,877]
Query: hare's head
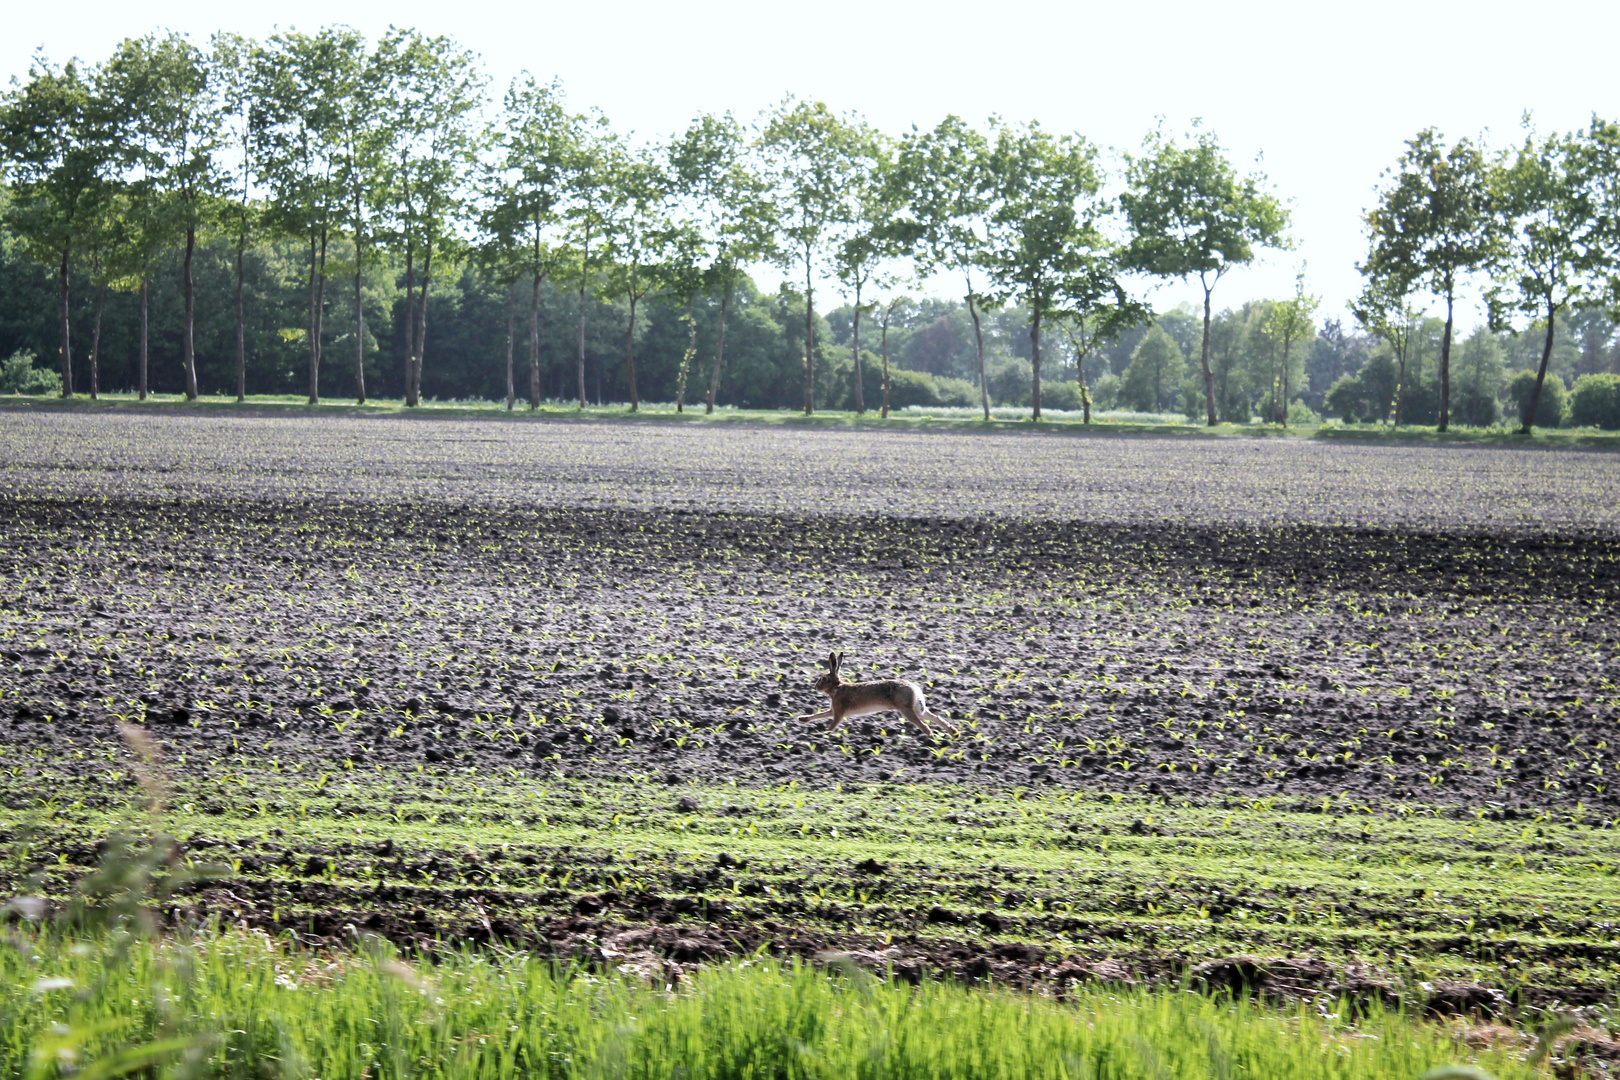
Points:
[829,682]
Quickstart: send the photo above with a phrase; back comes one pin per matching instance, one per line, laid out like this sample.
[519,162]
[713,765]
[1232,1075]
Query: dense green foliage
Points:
[1595,402]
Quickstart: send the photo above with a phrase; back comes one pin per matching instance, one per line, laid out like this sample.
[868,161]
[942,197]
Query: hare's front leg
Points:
[822,715]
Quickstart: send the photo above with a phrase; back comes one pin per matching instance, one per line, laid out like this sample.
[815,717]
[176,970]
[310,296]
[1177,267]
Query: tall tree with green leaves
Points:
[1190,214]
[1288,325]
[587,196]
[1385,308]
[812,156]
[436,89]
[870,238]
[1553,239]
[638,229]
[534,140]
[724,204]
[60,156]
[1044,246]
[944,173]
[233,60]
[301,87]
[1433,223]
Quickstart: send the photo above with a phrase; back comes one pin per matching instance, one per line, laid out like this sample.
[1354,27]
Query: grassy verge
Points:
[240,1005]
[292,404]
[1409,892]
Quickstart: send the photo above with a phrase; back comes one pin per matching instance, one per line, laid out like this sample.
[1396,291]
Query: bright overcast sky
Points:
[1326,92]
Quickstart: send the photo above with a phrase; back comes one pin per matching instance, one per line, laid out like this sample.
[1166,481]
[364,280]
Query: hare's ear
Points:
[831,662]
[838,661]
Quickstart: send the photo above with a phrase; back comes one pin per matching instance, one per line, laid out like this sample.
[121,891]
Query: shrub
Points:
[1549,410]
[1301,413]
[956,393]
[1105,394]
[18,375]
[1009,381]
[1060,395]
[1595,402]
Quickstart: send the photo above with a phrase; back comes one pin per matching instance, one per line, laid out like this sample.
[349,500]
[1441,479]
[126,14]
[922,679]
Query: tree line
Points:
[349,173]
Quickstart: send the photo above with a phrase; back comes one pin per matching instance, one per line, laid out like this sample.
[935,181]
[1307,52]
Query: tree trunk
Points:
[1400,388]
[809,338]
[580,357]
[241,332]
[1203,354]
[421,324]
[311,333]
[143,337]
[860,390]
[191,306]
[320,322]
[1445,365]
[1085,400]
[67,340]
[534,344]
[630,353]
[410,316]
[511,324]
[719,348]
[885,349]
[1528,420]
[359,325]
[978,342]
[1035,364]
[690,354]
[95,344]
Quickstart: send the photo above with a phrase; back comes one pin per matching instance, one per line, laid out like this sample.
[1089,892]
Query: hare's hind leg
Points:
[918,718]
[938,719]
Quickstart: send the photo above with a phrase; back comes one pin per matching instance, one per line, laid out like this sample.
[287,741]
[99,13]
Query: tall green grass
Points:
[232,1004]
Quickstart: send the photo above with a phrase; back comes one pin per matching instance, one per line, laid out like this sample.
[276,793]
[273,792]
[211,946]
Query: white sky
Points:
[1327,92]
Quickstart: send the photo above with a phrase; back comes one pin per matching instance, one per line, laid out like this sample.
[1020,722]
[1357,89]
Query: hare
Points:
[858,699]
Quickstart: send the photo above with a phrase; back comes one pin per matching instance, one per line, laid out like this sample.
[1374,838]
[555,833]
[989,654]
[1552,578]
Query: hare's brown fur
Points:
[858,699]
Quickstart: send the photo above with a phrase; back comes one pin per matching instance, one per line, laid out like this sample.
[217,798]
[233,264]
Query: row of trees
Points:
[389,155]
[364,152]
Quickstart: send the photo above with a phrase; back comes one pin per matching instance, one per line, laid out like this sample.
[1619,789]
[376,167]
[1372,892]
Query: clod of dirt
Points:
[1463,999]
[688,805]
[871,866]
[314,865]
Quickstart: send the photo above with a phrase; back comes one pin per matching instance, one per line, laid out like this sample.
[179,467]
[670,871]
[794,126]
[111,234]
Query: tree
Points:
[1433,222]
[1044,245]
[302,85]
[1553,240]
[1479,378]
[1288,325]
[1191,214]
[944,173]
[1089,319]
[234,61]
[638,228]
[436,90]
[812,156]
[535,140]
[725,216]
[587,186]
[1156,367]
[1385,309]
[870,237]
[56,141]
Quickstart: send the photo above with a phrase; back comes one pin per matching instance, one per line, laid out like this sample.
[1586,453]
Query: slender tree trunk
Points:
[191,311]
[410,316]
[359,326]
[143,337]
[1445,365]
[885,349]
[241,319]
[860,390]
[719,348]
[809,338]
[580,357]
[1528,420]
[320,326]
[1035,364]
[310,329]
[67,340]
[1400,389]
[1203,354]
[978,343]
[630,353]
[421,325]
[534,344]
[511,326]
[689,355]
[1085,400]
[95,344]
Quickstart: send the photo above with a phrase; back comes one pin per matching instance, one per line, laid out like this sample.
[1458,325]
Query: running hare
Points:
[858,699]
